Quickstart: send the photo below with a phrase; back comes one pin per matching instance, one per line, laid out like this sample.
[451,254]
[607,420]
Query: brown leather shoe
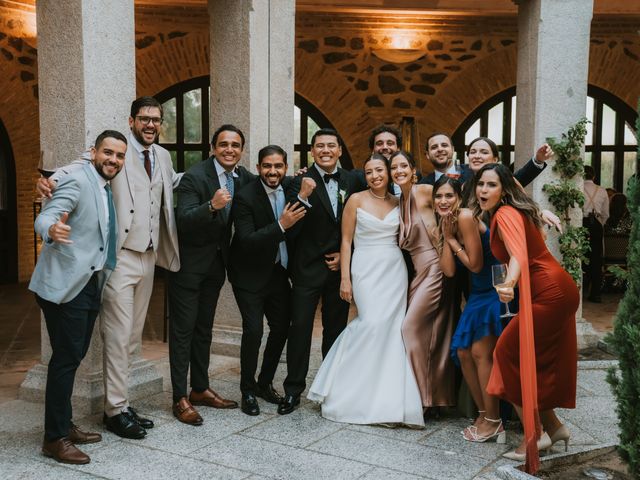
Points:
[184,411]
[210,398]
[63,451]
[79,437]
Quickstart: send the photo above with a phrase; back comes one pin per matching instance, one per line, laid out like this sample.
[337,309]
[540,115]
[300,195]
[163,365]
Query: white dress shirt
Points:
[596,200]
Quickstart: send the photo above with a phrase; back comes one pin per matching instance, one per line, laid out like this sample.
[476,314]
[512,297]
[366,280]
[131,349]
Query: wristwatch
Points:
[212,209]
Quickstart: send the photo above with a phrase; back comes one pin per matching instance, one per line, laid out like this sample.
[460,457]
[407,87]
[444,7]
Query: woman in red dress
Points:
[535,364]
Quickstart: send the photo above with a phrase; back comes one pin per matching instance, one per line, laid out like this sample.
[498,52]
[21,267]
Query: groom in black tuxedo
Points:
[258,263]
[315,263]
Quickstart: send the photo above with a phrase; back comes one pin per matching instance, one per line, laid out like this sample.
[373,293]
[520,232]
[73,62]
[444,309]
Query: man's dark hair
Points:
[382,129]
[142,102]
[109,134]
[435,134]
[271,150]
[227,127]
[327,131]
[589,172]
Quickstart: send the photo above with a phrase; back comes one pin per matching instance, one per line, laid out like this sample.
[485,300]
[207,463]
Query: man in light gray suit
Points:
[79,229]
[147,236]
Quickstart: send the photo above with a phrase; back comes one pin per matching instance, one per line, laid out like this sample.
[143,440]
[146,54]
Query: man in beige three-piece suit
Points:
[147,236]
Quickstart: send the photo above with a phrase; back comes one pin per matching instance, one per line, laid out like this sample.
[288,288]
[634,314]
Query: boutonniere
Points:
[342,195]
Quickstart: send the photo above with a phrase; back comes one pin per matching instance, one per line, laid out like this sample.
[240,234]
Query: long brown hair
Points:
[512,194]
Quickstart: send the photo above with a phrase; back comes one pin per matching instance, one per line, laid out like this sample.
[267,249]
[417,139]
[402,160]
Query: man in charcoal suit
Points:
[203,216]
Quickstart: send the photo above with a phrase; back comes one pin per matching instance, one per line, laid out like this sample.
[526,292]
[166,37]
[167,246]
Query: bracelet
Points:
[458,251]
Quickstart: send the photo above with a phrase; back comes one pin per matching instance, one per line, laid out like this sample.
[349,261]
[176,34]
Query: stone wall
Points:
[465,61]
[19,113]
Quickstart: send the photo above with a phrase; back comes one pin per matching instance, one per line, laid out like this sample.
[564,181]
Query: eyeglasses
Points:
[145,120]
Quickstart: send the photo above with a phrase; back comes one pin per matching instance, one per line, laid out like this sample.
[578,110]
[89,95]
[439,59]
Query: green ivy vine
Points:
[564,196]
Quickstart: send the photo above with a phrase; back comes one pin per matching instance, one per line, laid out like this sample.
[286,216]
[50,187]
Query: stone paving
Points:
[301,445]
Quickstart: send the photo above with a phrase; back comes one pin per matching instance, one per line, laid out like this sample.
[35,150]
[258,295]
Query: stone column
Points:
[252,45]
[553,63]
[87,80]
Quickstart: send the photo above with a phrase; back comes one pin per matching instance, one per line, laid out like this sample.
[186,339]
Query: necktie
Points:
[329,176]
[110,263]
[279,208]
[147,162]
[230,188]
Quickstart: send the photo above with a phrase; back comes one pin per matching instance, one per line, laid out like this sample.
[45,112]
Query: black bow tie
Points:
[329,176]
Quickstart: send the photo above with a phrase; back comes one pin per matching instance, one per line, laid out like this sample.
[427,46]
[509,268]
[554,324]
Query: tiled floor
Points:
[233,445]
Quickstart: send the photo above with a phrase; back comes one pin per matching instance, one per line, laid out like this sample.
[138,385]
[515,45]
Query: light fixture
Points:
[398,55]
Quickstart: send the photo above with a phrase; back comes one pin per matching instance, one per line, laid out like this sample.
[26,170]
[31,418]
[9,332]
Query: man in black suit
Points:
[258,271]
[439,152]
[203,217]
[315,263]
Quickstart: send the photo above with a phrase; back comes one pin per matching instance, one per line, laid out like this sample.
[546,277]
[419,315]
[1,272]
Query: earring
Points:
[414,178]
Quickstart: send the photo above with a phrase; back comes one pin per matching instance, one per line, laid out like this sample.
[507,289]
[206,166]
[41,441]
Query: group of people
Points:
[403,248]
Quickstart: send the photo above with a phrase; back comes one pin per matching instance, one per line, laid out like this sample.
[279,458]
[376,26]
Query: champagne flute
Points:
[455,171]
[499,277]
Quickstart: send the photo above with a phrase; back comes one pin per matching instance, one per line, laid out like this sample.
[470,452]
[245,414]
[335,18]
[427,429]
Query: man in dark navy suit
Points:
[258,262]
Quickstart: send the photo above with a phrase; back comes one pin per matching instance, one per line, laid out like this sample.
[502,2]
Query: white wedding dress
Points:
[366,377]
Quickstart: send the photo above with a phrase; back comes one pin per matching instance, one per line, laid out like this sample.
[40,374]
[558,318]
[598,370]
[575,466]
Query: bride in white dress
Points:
[366,377]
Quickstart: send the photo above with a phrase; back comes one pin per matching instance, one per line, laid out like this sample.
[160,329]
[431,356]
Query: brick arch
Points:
[616,72]
[334,96]
[162,65]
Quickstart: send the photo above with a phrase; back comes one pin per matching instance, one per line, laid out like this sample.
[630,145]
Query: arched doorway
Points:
[610,144]
[8,217]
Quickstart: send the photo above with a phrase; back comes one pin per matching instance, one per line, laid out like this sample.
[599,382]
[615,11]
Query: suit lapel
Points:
[321,190]
[97,196]
[343,186]
[263,200]
[213,183]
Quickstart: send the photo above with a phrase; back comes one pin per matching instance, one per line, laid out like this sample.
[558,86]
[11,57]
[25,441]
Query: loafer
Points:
[288,405]
[143,422]
[64,451]
[269,393]
[249,405]
[78,437]
[209,398]
[184,411]
[124,426]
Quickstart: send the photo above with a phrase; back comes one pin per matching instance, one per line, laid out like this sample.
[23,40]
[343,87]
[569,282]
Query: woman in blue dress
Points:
[465,244]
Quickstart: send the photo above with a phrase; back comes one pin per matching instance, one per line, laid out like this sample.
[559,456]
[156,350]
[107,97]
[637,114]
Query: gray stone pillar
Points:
[553,63]
[252,45]
[86,71]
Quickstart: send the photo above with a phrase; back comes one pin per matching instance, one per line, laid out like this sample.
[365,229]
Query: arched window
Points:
[186,133]
[610,145]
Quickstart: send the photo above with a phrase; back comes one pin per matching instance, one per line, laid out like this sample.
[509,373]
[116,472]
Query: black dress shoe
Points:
[143,422]
[249,404]
[288,405]
[124,426]
[269,394]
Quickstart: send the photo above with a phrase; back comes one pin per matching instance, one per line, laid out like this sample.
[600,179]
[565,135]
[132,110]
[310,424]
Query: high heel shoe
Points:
[480,412]
[544,443]
[499,434]
[561,434]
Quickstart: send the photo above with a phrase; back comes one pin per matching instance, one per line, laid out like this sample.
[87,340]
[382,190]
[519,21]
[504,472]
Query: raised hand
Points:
[544,153]
[59,232]
[307,187]
[300,171]
[220,198]
[291,214]
[448,227]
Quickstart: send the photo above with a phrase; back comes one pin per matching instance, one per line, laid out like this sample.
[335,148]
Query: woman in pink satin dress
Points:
[428,325]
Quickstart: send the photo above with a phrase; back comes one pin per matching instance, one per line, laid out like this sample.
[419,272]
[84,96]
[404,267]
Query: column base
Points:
[587,336]
[88,390]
